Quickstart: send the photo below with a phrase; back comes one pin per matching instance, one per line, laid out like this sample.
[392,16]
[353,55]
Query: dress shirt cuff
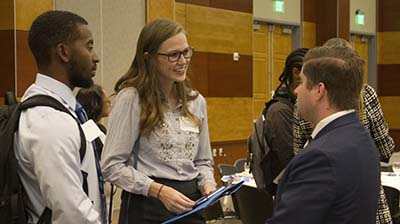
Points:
[146,187]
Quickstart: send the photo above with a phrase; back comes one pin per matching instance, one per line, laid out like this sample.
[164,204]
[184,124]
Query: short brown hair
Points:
[92,101]
[338,69]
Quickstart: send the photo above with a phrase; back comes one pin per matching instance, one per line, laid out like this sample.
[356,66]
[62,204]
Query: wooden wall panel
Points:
[28,10]
[362,49]
[229,118]
[198,72]
[6,14]
[26,65]
[219,31]
[388,79]
[391,110]
[326,21]
[217,75]
[310,11]
[389,14]
[309,34]
[235,5]
[228,78]
[282,48]
[260,63]
[260,76]
[333,20]
[344,19]
[195,2]
[388,59]
[7,63]
[180,14]
[395,134]
[388,47]
[160,9]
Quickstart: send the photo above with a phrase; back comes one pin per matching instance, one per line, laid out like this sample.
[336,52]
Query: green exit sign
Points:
[360,18]
[279,6]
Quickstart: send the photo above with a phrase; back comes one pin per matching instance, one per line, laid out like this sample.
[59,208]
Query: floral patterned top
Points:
[175,150]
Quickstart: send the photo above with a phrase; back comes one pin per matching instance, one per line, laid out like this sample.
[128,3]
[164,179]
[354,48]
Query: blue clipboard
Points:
[208,200]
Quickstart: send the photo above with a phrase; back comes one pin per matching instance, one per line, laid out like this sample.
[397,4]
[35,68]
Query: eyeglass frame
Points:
[181,53]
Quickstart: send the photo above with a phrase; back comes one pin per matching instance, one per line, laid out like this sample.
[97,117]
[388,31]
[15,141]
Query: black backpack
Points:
[12,198]
[264,162]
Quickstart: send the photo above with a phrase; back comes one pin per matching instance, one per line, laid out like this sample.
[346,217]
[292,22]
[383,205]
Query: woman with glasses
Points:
[157,148]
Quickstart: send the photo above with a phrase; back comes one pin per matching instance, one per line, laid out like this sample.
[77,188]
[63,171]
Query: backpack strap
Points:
[48,101]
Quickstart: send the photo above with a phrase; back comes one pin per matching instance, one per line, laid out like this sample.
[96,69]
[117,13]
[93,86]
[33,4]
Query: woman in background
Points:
[157,112]
[97,106]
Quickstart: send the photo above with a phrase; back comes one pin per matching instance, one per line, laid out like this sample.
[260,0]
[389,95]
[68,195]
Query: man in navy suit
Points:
[336,177]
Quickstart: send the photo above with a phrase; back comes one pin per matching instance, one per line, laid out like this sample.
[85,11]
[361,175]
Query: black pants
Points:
[138,209]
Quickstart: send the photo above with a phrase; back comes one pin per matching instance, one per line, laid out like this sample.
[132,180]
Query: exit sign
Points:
[279,6]
[360,17]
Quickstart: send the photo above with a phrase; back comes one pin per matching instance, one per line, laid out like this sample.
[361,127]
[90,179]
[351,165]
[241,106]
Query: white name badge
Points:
[187,125]
[91,130]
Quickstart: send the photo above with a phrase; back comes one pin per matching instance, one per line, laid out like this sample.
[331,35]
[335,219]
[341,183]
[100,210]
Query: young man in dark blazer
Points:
[336,178]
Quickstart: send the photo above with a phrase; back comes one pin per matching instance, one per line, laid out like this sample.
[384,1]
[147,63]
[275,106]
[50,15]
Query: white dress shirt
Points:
[324,122]
[47,150]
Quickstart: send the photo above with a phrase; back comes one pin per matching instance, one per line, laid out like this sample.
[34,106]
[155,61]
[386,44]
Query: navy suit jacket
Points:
[335,179]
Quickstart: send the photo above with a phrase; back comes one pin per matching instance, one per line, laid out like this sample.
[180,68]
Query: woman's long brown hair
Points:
[144,76]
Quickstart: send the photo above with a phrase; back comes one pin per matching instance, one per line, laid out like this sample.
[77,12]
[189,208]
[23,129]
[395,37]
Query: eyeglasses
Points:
[175,56]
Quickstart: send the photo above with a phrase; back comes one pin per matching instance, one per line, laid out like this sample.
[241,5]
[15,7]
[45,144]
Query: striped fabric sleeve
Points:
[376,124]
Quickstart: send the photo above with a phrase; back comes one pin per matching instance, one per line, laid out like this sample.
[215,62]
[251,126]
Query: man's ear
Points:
[62,51]
[320,91]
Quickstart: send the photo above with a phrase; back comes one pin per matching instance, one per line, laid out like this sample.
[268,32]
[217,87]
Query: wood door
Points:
[271,47]
[360,44]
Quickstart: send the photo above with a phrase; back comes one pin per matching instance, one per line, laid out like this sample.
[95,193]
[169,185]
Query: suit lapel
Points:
[339,122]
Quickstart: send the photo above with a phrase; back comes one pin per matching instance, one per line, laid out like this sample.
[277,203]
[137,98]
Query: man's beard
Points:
[77,77]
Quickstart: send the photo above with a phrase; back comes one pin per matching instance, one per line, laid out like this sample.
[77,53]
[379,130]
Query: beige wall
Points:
[368,7]
[115,26]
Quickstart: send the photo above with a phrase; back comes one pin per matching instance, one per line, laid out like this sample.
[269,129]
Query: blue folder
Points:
[208,200]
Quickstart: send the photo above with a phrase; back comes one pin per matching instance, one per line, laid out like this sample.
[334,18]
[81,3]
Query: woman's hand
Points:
[175,201]
[208,188]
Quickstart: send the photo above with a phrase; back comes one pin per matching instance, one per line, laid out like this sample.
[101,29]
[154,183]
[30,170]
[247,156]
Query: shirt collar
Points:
[56,87]
[324,122]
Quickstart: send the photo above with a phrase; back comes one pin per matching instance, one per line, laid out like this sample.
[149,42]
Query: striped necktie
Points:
[82,116]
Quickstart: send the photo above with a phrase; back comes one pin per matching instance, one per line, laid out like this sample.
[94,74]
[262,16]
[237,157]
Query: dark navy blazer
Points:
[335,179]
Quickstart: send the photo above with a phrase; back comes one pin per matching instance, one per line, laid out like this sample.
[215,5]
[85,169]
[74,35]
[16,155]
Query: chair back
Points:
[392,197]
[255,207]
[226,169]
[239,164]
